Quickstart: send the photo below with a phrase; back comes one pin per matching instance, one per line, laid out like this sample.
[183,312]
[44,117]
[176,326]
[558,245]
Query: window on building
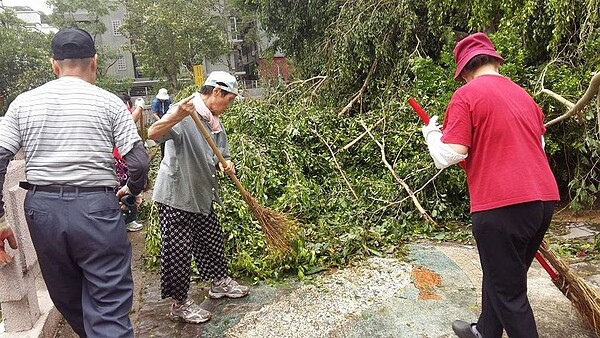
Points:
[234,29]
[121,64]
[116,24]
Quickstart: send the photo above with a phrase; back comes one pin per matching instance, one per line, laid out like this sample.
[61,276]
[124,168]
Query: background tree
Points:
[67,13]
[167,36]
[24,58]
[376,52]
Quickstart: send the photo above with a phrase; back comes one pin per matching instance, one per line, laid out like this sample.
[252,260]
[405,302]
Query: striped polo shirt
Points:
[67,129]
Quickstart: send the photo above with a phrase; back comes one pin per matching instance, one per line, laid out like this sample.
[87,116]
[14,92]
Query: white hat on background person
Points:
[223,80]
[162,94]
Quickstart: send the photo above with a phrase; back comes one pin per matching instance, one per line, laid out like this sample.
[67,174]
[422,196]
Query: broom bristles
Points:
[275,225]
[584,298]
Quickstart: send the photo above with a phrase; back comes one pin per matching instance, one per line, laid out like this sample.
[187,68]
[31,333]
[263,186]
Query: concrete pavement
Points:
[382,298]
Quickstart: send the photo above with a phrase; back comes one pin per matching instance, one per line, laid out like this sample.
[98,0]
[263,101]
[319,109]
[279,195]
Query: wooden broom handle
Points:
[215,149]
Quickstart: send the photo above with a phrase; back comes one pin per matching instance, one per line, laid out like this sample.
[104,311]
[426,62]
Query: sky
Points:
[38,5]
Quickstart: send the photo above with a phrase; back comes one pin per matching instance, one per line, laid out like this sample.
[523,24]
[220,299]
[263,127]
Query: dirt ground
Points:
[565,215]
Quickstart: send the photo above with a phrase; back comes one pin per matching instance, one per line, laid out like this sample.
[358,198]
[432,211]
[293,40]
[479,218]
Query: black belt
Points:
[62,188]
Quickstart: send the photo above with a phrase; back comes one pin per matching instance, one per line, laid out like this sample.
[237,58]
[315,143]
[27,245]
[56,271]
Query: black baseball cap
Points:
[72,43]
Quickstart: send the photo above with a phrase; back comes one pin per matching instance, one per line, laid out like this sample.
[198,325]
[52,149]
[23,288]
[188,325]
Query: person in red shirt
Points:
[496,128]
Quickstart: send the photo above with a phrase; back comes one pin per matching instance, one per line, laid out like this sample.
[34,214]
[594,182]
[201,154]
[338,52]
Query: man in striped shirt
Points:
[67,129]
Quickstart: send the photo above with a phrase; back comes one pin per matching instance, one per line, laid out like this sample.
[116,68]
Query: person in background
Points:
[71,209]
[496,128]
[129,210]
[185,189]
[136,109]
[160,106]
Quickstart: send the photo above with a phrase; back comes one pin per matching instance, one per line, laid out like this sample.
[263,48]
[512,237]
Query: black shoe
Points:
[463,329]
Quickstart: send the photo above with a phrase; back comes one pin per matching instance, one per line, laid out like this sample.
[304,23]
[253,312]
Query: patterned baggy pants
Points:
[186,235]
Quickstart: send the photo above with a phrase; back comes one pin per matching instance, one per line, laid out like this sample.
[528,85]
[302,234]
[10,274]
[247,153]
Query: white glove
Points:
[139,102]
[431,127]
[543,142]
[443,155]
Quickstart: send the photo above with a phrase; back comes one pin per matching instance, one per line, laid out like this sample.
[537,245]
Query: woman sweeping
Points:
[512,189]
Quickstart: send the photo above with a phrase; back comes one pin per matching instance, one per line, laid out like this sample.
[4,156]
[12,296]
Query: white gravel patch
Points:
[324,308]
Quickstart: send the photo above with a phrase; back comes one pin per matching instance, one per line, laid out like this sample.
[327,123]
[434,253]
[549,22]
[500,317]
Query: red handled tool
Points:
[553,274]
[425,118]
[422,114]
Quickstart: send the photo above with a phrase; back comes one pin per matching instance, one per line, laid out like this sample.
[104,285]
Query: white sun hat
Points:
[162,94]
[223,80]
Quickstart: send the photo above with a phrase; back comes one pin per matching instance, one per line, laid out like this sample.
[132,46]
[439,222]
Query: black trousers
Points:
[186,236]
[507,239]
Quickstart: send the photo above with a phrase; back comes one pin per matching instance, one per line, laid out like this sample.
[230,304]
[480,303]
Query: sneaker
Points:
[227,287]
[134,226]
[189,312]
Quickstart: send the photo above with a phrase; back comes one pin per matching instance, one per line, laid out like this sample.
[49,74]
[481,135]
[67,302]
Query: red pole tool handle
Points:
[546,266]
[422,114]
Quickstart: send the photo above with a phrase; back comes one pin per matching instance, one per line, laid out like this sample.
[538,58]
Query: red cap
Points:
[471,46]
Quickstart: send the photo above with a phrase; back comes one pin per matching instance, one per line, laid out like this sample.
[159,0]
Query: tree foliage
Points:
[376,51]
[294,157]
[89,15]
[24,58]
[305,149]
[168,35]
[67,13]
[361,60]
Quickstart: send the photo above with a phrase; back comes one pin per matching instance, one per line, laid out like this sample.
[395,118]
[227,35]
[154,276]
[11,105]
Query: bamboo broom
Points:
[585,299]
[276,226]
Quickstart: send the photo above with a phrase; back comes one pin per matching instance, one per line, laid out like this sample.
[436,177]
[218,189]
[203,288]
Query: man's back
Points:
[67,129]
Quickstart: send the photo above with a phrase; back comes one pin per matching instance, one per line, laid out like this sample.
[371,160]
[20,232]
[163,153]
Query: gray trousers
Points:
[85,259]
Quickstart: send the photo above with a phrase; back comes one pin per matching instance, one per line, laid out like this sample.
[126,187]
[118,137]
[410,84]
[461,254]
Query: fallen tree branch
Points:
[592,90]
[298,84]
[361,91]
[337,165]
[398,179]
[558,98]
[407,197]
[320,78]
[347,146]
